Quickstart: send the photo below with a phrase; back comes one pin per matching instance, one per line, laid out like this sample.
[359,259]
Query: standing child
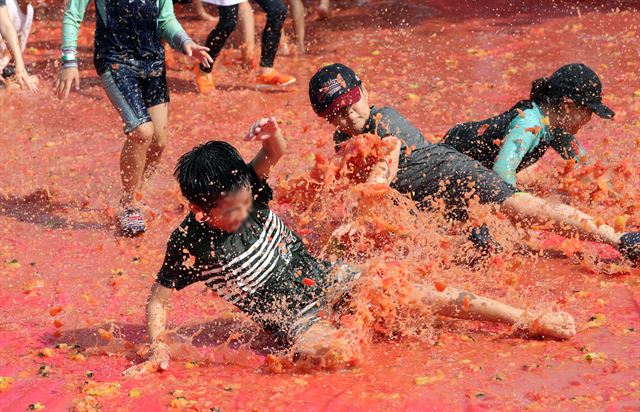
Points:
[429,172]
[558,107]
[234,243]
[14,31]
[267,77]
[129,58]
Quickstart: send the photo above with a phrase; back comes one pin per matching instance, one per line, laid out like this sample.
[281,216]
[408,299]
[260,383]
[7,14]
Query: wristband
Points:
[68,57]
[69,63]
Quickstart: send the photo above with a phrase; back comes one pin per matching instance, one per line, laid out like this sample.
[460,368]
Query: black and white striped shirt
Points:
[259,268]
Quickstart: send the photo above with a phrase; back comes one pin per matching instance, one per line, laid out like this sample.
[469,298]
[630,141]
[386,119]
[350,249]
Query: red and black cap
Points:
[332,88]
[580,84]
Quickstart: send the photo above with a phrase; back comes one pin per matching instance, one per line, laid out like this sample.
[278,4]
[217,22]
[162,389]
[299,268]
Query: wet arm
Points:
[386,169]
[170,29]
[515,146]
[73,16]
[273,148]
[568,147]
[157,311]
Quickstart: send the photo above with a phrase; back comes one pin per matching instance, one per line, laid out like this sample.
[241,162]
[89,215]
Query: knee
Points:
[160,139]
[227,26]
[142,134]
[277,14]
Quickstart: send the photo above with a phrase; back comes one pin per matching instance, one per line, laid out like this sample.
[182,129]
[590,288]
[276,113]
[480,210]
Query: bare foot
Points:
[158,361]
[559,325]
[323,12]
[315,342]
[321,347]
[300,49]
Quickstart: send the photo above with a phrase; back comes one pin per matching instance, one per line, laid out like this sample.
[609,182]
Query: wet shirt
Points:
[526,134]
[513,140]
[263,268]
[427,171]
[127,32]
[385,122]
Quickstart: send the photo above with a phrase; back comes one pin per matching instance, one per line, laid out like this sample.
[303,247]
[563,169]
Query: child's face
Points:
[573,117]
[230,212]
[353,119]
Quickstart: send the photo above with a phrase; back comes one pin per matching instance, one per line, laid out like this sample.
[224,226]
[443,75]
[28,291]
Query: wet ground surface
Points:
[67,278]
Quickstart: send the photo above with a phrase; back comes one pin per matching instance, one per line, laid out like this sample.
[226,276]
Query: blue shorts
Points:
[133,90]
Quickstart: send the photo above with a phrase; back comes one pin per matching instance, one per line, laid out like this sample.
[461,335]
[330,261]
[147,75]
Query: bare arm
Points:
[157,311]
[274,145]
[11,38]
[156,325]
[387,168]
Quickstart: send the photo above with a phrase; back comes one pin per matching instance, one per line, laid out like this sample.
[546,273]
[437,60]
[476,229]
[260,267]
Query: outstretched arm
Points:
[274,145]
[568,147]
[173,33]
[156,326]
[386,169]
[11,38]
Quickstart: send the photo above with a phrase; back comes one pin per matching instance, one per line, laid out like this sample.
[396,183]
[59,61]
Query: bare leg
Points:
[562,218]
[297,13]
[159,116]
[323,9]
[133,160]
[460,304]
[246,30]
[201,12]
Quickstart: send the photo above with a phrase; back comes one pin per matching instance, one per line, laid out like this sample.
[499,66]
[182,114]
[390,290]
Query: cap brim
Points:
[347,99]
[602,110]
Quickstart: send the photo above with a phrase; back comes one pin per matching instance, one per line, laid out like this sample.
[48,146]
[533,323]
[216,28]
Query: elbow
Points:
[283,147]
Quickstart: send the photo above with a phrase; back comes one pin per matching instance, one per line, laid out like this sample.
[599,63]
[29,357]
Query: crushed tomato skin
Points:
[55,310]
[309,282]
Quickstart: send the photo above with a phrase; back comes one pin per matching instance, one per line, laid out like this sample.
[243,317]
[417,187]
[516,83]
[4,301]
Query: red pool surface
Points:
[67,279]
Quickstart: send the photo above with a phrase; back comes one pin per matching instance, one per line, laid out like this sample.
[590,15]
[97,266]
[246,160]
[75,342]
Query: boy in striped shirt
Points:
[234,243]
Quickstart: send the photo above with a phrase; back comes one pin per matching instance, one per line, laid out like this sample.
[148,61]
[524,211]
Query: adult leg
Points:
[276,14]
[201,12]
[298,15]
[323,9]
[268,78]
[247,32]
[217,38]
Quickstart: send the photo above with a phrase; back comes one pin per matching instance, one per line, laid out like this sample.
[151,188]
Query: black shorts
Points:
[342,280]
[439,172]
[132,90]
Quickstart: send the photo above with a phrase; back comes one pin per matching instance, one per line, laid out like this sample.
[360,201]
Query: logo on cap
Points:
[331,87]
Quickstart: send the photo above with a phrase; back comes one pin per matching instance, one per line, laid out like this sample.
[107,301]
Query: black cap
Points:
[332,88]
[582,85]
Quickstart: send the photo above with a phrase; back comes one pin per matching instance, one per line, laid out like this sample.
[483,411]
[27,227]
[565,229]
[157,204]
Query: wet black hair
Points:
[209,171]
[543,92]
[575,81]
